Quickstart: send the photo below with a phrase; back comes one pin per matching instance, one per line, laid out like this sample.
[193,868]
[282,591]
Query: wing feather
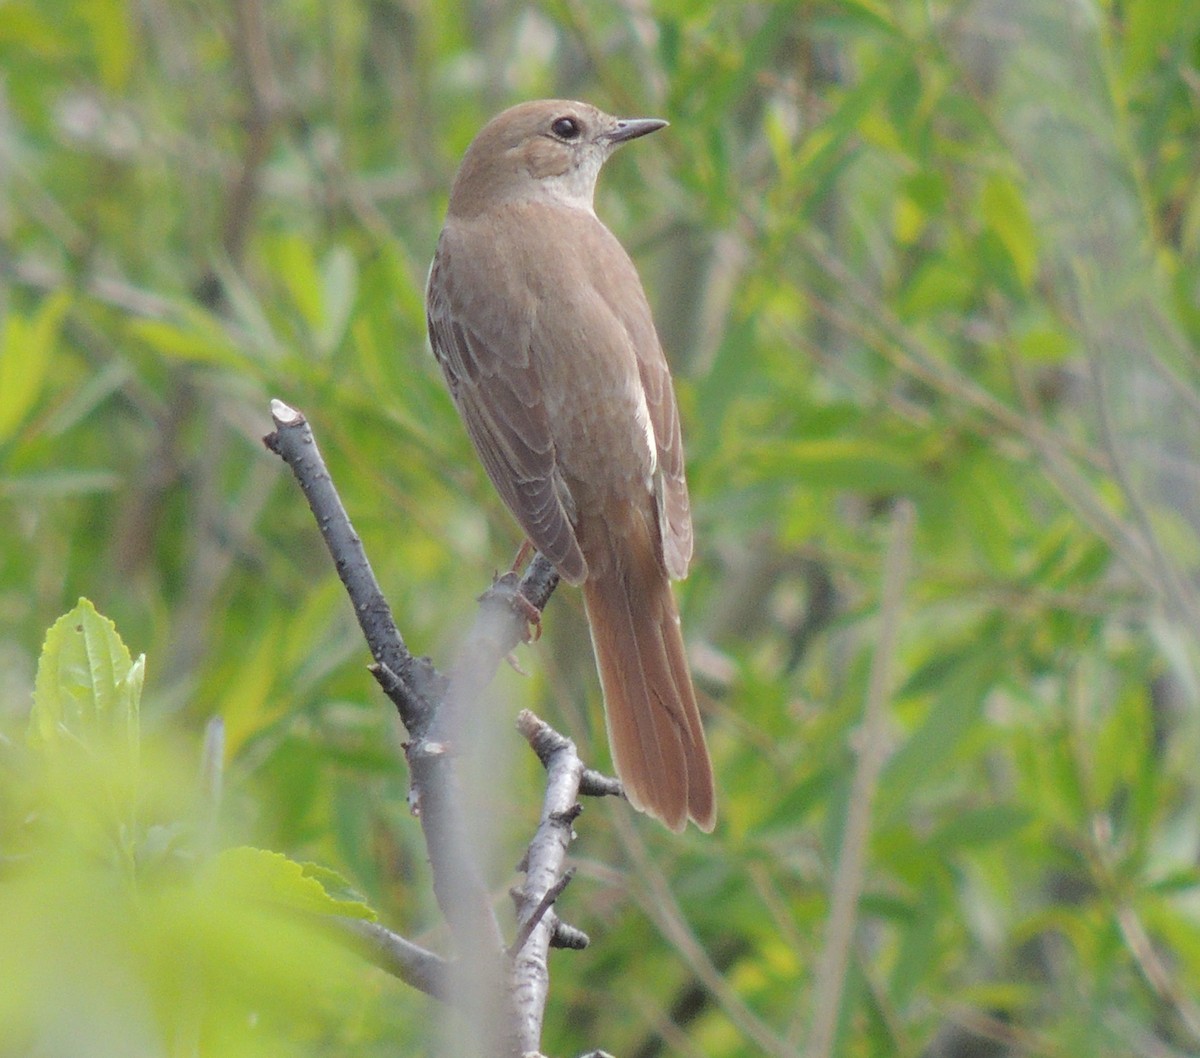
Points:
[622,289]
[494,383]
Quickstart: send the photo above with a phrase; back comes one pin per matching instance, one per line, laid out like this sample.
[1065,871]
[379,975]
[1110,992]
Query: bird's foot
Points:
[532,615]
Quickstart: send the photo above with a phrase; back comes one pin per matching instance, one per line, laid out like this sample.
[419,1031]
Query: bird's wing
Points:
[628,300]
[484,352]
[671,491]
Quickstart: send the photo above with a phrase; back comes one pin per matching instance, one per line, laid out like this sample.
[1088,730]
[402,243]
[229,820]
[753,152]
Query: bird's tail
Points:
[653,723]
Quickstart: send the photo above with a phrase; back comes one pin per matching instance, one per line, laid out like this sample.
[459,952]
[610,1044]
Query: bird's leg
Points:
[522,605]
[523,552]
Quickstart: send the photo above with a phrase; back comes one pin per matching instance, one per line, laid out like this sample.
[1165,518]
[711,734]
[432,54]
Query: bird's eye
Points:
[565,128]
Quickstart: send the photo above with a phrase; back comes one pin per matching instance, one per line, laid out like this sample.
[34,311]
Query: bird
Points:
[539,321]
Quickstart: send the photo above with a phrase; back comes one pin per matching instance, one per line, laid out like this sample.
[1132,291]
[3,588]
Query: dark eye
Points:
[565,128]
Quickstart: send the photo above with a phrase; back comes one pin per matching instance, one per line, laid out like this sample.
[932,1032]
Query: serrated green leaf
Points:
[88,688]
[258,874]
[337,887]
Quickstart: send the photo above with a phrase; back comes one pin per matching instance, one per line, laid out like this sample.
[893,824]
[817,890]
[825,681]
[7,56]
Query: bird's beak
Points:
[632,128]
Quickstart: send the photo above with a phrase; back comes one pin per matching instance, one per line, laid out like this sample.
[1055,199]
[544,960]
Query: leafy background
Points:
[937,250]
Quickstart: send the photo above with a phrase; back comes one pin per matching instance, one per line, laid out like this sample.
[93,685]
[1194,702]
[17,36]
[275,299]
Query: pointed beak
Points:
[631,128]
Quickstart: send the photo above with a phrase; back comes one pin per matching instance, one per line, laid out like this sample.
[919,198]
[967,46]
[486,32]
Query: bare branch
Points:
[531,921]
[416,685]
[545,878]
[401,958]
[437,713]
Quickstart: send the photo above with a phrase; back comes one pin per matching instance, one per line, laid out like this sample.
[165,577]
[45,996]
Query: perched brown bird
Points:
[539,321]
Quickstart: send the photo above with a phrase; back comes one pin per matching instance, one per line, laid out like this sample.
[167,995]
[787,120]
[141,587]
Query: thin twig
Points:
[654,895]
[545,878]
[411,963]
[1170,585]
[847,881]
[1155,972]
[417,686]
[535,917]
[264,105]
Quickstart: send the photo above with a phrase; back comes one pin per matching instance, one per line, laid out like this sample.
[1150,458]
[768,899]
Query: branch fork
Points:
[432,707]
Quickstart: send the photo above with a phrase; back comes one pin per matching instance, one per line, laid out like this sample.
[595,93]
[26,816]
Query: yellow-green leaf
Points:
[26,348]
[260,875]
[1005,214]
[88,688]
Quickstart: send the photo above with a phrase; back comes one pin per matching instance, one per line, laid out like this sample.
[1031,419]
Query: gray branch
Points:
[433,710]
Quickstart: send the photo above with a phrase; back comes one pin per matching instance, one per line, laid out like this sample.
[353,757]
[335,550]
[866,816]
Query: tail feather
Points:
[653,722]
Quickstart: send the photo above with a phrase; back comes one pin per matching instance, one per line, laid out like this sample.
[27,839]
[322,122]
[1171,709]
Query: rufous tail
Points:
[654,726]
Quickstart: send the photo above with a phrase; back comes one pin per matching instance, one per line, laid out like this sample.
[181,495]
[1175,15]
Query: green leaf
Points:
[110,30]
[88,689]
[938,285]
[339,285]
[258,874]
[1151,30]
[26,29]
[918,941]
[958,706]
[298,269]
[198,339]
[59,483]
[981,826]
[1005,214]
[872,11]
[26,348]
[1179,880]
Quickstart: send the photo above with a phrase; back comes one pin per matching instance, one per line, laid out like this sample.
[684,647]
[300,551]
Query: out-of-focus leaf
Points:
[59,483]
[297,267]
[339,276]
[1151,29]
[841,463]
[981,826]
[199,339]
[1005,213]
[263,876]
[111,34]
[26,351]
[957,706]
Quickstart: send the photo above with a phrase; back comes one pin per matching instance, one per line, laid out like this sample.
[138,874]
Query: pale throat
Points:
[575,187]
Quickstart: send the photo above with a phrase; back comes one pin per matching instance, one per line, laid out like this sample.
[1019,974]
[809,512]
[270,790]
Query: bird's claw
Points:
[532,616]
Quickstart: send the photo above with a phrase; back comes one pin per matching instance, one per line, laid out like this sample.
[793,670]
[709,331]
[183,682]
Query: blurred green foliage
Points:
[945,250]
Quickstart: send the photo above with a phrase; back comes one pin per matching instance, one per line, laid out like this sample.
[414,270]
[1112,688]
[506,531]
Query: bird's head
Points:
[548,150]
